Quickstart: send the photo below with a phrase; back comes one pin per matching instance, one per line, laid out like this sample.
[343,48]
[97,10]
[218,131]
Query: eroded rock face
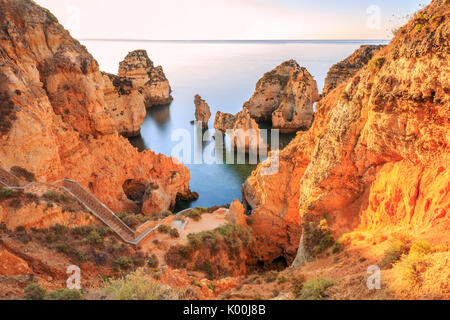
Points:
[236,213]
[242,129]
[58,121]
[346,69]
[377,153]
[13,265]
[285,96]
[150,80]
[224,121]
[125,104]
[202,111]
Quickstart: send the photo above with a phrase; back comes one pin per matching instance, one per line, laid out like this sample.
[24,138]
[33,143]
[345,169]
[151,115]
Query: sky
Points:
[232,19]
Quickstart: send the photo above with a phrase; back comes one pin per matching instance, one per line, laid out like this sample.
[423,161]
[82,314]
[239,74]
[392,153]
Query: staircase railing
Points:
[9,179]
[98,209]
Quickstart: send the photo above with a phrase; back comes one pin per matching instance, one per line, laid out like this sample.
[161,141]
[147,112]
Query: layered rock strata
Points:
[346,69]
[285,96]
[377,154]
[125,104]
[150,80]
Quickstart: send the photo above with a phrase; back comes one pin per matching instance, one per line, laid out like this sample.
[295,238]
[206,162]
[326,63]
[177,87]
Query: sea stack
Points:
[202,111]
[244,130]
[285,96]
[150,80]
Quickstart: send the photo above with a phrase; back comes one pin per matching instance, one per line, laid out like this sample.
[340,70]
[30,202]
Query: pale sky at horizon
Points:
[231,19]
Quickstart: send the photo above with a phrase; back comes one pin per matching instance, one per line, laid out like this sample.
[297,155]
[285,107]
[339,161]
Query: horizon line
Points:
[224,40]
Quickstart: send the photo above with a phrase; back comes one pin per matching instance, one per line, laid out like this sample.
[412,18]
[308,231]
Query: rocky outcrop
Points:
[125,104]
[345,70]
[12,265]
[224,121]
[41,216]
[285,96]
[58,124]
[202,111]
[150,80]
[242,129]
[376,154]
[236,213]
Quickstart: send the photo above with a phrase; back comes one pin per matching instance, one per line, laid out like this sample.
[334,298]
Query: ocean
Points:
[224,73]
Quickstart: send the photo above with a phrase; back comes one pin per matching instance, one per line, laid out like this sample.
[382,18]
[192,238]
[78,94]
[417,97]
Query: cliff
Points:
[55,121]
[345,70]
[285,96]
[377,153]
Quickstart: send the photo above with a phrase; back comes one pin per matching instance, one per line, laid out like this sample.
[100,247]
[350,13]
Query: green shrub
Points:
[131,221]
[376,63]
[421,21]
[82,232]
[163,228]
[197,284]
[271,276]
[282,279]
[413,264]
[337,247]
[81,255]
[6,193]
[137,286]
[21,172]
[59,229]
[196,213]
[152,261]
[94,238]
[394,252]
[411,267]
[123,263]
[121,215]
[63,248]
[318,237]
[212,286]
[174,233]
[297,285]
[34,292]
[141,218]
[55,196]
[208,269]
[65,294]
[105,231]
[315,289]
[21,229]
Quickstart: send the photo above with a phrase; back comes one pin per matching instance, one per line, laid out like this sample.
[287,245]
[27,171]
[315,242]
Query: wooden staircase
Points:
[95,206]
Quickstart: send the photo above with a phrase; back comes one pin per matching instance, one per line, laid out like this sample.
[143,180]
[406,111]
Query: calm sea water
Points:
[224,73]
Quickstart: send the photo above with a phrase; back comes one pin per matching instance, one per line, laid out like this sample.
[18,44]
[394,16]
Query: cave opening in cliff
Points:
[134,190]
[279,263]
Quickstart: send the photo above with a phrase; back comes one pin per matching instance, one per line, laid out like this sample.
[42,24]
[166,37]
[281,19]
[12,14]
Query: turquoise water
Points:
[224,73]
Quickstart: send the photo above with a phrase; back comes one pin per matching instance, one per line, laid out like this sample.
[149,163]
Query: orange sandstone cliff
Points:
[377,154]
[55,119]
